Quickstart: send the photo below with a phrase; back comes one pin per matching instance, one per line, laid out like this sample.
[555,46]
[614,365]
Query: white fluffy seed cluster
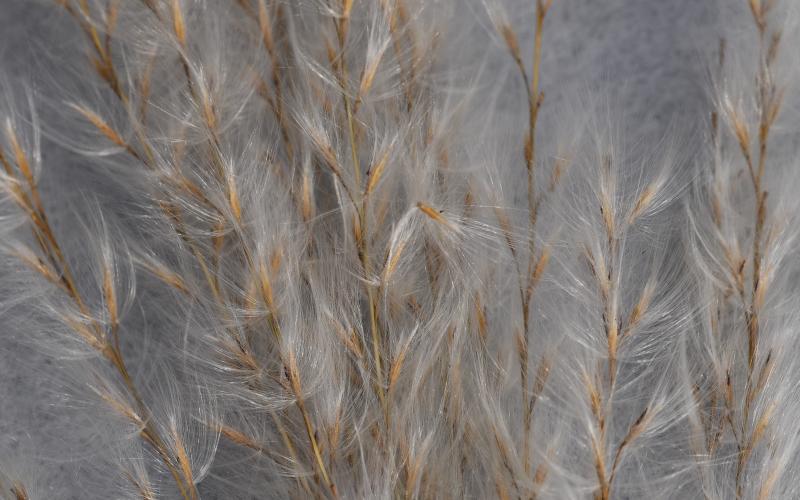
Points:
[345,254]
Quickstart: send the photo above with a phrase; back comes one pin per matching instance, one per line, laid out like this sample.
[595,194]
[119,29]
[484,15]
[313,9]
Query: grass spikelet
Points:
[393,259]
[184,464]
[376,172]
[35,263]
[233,197]
[539,268]
[307,195]
[100,124]
[166,275]
[265,24]
[641,307]
[19,491]
[642,203]
[239,438]
[178,24]
[434,215]
[397,364]
[121,407]
[104,128]
[635,430]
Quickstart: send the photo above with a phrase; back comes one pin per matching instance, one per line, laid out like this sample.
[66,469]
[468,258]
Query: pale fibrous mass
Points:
[370,249]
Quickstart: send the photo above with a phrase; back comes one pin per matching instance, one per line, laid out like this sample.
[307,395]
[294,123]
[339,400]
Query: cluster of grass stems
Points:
[346,267]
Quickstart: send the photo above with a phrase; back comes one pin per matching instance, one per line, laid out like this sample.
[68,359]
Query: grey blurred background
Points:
[650,53]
